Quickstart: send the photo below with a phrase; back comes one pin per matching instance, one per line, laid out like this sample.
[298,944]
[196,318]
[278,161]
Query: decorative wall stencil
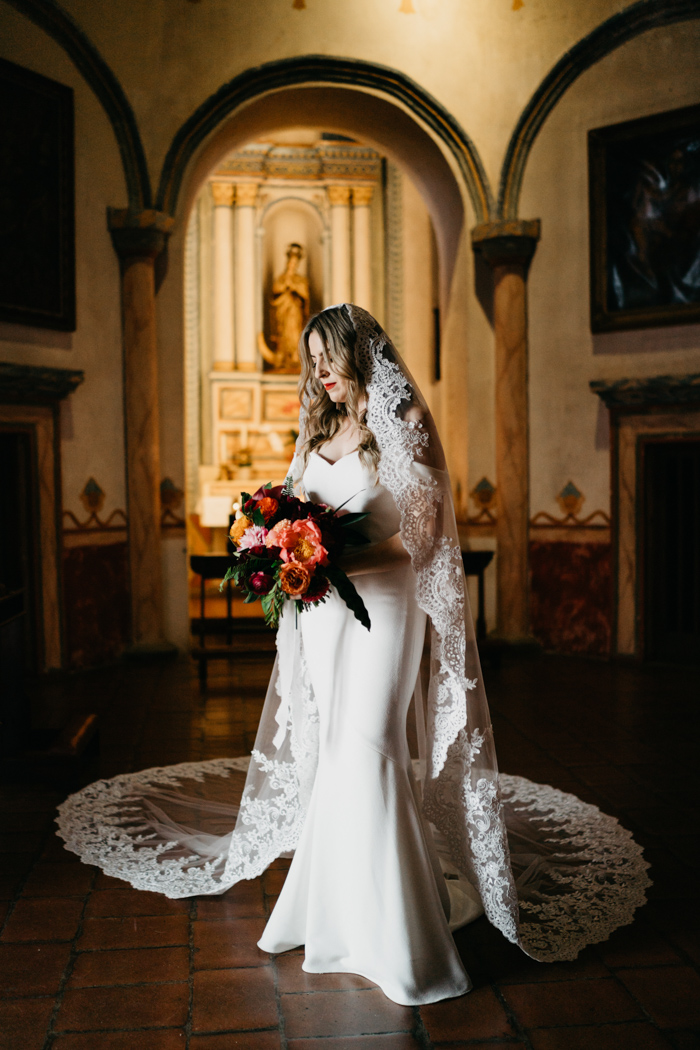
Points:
[571,596]
[116,522]
[570,499]
[484,495]
[37,237]
[92,497]
[645,223]
[170,495]
[171,498]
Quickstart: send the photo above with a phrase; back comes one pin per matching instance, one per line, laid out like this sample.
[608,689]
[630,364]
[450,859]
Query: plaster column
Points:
[508,247]
[362,246]
[339,197]
[138,238]
[246,345]
[223,194]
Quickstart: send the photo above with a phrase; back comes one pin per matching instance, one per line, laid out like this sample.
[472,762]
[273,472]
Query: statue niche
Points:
[289,312]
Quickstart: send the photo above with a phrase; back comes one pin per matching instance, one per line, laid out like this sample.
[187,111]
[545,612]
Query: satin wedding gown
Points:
[331,780]
[365,892]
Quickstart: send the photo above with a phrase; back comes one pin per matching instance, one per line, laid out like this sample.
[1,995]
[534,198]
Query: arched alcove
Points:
[292,220]
[382,124]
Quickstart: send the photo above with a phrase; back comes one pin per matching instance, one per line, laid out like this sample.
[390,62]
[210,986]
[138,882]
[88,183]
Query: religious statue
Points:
[289,312]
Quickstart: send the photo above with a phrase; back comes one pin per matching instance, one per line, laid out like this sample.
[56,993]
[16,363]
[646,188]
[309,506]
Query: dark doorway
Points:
[19,584]
[672,550]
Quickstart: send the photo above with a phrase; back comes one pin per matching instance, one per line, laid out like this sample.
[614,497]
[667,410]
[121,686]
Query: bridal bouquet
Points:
[288,550]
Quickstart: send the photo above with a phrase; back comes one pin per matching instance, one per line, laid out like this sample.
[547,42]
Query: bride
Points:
[390,853]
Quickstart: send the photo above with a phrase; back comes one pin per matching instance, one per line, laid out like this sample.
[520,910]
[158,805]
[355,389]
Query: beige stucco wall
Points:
[480,60]
[93,429]
[655,72]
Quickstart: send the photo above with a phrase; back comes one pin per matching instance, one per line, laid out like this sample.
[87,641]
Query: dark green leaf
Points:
[347,592]
[352,519]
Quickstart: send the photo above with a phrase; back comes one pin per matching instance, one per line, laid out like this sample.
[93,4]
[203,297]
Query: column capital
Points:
[246,194]
[507,241]
[138,234]
[339,196]
[223,194]
[362,196]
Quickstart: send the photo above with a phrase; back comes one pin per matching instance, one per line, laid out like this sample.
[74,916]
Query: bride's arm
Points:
[379,558]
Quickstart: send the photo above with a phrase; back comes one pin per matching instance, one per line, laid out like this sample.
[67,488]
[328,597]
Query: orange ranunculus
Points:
[238,528]
[294,579]
[267,507]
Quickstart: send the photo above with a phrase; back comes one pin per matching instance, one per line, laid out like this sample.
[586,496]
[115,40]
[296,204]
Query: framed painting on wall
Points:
[644,193]
[37,238]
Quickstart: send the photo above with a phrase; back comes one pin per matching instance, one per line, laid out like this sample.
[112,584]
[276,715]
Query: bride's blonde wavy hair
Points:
[324,418]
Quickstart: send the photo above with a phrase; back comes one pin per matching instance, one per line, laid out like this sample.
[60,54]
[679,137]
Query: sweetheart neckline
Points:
[335,461]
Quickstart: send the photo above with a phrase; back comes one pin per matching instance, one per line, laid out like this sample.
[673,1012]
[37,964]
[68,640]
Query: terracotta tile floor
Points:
[88,963]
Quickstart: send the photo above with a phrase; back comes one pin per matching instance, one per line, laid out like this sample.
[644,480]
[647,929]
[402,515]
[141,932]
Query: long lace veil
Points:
[553,873]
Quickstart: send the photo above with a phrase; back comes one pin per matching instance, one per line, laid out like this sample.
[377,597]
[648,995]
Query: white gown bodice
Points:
[350,484]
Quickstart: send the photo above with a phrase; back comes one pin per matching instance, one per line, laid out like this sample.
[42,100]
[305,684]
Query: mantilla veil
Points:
[553,873]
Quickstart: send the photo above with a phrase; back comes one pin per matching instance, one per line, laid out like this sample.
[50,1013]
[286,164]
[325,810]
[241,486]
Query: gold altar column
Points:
[362,247]
[339,196]
[246,340]
[508,247]
[138,238]
[223,195]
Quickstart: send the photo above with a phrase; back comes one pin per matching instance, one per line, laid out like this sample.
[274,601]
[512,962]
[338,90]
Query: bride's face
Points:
[336,385]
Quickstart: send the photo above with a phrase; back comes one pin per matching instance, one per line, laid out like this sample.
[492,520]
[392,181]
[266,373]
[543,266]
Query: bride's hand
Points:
[380,558]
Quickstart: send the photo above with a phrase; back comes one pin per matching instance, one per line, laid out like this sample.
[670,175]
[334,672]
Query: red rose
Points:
[261,583]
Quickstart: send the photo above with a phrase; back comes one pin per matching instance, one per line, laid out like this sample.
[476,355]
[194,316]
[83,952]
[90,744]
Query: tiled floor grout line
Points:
[519,1029]
[51,1035]
[22,882]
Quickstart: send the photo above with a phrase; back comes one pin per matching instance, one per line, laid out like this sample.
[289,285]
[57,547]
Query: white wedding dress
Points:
[331,778]
[365,892]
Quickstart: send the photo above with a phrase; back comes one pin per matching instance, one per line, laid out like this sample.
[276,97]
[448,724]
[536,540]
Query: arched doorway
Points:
[404,147]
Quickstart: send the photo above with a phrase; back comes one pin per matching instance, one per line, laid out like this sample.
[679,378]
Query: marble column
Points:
[341,291]
[138,238]
[223,194]
[362,246]
[246,345]
[508,247]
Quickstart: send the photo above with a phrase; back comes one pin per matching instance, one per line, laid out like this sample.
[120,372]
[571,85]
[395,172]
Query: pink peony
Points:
[300,541]
[252,537]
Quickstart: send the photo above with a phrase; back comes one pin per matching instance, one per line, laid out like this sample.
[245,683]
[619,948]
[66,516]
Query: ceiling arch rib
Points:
[315,70]
[607,37]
